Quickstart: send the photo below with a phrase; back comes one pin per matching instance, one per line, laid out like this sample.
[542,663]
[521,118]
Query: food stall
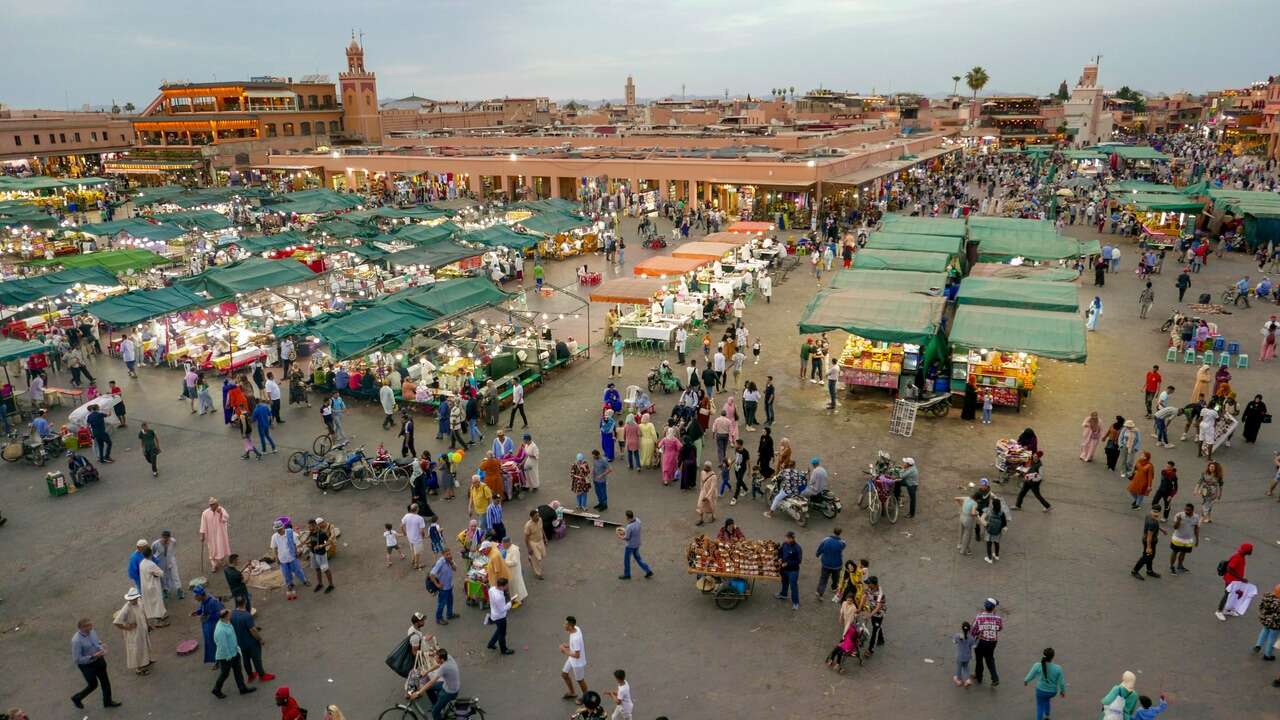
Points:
[893,334]
[952,247]
[908,260]
[640,307]
[664,266]
[750,227]
[728,571]
[930,283]
[35,303]
[998,349]
[562,234]
[1165,217]
[1010,293]
[138,233]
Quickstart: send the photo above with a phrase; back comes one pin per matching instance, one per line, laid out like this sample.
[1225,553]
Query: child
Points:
[1146,712]
[437,536]
[986,408]
[755,351]
[964,642]
[92,392]
[848,645]
[202,389]
[392,543]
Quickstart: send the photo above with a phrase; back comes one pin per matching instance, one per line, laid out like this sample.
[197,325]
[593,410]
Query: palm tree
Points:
[955,83]
[976,79]
[128,107]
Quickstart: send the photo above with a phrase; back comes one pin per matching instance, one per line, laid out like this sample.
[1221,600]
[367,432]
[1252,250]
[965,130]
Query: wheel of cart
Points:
[727,591]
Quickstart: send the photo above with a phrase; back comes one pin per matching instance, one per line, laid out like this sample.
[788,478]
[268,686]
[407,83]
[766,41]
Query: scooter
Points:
[336,476]
[797,506]
[662,376]
[29,447]
[826,503]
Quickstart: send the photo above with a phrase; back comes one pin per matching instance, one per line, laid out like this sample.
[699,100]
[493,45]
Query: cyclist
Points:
[441,688]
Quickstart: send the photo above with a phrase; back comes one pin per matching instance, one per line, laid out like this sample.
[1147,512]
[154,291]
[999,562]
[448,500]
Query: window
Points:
[306,126]
[52,138]
[328,101]
[94,136]
[271,129]
[288,129]
[17,140]
[121,136]
[312,101]
[36,138]
[319,127]
[77,137]
[62,137]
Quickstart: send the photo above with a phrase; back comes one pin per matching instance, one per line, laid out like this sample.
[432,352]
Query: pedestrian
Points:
[1111,442]
[272,391]
[129,354]
[151,585]
[1049,682]
[441,578]
[517,405]
[631,535]
[1184,538]
[631,442]
[164,552]
[150,447]
[119,409]
[1093,314]
[318,540]
[413,528]
[250,641]
[1091,434]
[206,401]
[1167,489]
[600,471]
[1120,703]
[1146,299]
[535,542]
[750,401]
[621,696]
[608,435]
[575,664]
[969,518]
[1151,386]
[988,404]
[285,546]
[246,422]
[456,420]
[1129,443]
[1209,488]
[1150,536]
[806,349]
[769,397]
[909,478]
[214,522]
[387,399]
[1147,712]
[408,448]
[1140,484]
[964,642]
[493,519]
[132,621]
[616,360]
[833,374]
[790,556]
[97,422]
[1232,570]
[830,554]
[706,503]
[1269,617]
[1183,282]
[579,481]
[987,626]
[996,521]
[682,342]
[228,656]
[90,657]
[207,610]
[499,606]
[338,407]
[1254,415]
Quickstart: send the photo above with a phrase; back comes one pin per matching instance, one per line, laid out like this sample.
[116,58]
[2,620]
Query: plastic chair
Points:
[1242,361]
[1207,359]
[1189,357]
[1219,343]
[1171,355]
[1233,348]
[629,398]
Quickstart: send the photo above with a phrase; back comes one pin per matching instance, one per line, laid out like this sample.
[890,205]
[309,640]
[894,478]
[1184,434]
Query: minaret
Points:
[359,89]
[630,92]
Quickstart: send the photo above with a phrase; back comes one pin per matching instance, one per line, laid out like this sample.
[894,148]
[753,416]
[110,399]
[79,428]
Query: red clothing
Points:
[1235,565]
[987,626]
[1153,381]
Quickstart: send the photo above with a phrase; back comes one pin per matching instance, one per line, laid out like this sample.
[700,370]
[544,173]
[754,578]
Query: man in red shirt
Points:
[1152,386]
[986,628]
[1235,571]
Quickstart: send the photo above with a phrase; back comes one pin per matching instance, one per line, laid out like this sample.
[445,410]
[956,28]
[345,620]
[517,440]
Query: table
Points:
[56,394]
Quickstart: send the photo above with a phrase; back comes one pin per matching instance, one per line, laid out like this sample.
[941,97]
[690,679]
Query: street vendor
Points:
[730,532]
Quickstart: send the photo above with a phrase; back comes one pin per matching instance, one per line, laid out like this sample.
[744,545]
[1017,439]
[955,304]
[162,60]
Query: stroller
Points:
[80,469]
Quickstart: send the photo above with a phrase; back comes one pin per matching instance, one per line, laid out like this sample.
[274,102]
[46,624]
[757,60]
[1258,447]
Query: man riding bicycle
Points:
[441,687]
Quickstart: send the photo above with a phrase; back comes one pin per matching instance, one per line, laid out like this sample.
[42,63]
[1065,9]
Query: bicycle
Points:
[323,444]
[355,469]
[458,709]
[393,475]
[879,500]
[306,460]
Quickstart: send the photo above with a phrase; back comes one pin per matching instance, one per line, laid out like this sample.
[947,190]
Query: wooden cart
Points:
[732,589]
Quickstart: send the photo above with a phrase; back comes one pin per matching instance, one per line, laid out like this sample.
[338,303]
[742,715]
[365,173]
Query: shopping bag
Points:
[401,658]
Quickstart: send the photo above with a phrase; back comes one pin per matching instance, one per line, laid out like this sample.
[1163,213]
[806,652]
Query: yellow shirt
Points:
[479,495]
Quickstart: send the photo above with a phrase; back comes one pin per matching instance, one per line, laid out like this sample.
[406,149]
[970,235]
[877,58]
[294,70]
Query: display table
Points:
[238,359]
[868,378]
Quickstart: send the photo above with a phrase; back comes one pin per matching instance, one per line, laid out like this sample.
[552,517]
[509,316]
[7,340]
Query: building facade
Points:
[71,144]
[1085,112]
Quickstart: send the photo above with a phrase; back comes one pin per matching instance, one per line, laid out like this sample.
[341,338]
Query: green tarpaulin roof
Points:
[344,227]
[1245,202]
[868,259]
[263,243]
[425,234]
[133,227]
[41,182]
[999,244]
[984,222]
[206,220]
[248,275]
[1160,202]
[451,297]
[117,261]
[500,236]
[1142,186]
[1085,155]
[888,315]
[18,213]
[38,287]
[194,197]
[559,205]
[884,240]
[1030,294]
[365,251]
[11,349]
[1015,272]
[554,223]
[141,305]
[1055,335]
[889,280]
[435,255]
[923,226]
[1131,152]
[306,202]
[420,212]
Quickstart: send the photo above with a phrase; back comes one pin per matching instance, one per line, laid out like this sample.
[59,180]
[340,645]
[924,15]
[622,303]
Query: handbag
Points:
[1266,419]
[401,658]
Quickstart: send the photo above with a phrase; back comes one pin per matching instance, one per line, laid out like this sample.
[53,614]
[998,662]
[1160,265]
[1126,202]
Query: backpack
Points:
[1223,567]
[996,524]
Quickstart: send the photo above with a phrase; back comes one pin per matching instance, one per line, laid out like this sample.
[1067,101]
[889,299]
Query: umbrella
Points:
[1065,192]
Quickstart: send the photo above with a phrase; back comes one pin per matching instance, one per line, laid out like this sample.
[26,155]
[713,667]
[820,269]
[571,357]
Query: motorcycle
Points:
[661,376]
[336,476]
[1175,320]
[29,447]
[826,503]
[795,505]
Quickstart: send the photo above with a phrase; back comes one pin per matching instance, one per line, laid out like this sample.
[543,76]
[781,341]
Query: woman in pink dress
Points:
[631,441]
[1268,344]
[1090,435]
[670,448]
[731,412]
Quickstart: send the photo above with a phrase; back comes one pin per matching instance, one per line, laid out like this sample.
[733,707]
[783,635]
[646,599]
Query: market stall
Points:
[1002,244]
[704,250]
[930,283]
[750,227]
[1260,211]
[728,571]
[115,261]
[951,246]
[134,232]
[1048,273]
[893,334]
[913,225]
[664,266]
[908,260]
[997,349]
[647,308]
[1028,294]
[562,234]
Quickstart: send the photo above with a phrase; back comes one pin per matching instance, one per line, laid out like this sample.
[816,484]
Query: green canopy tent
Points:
[19,213]
[1143,186]
[451,297]
[1028,294]
[191,220]
[875,314]
[365,252]
[1026,225]
[1131,153]
[1054,335]
[884,240]
[500,236]
[908,225]
[142,305]
[13,349]
[424,234]
[867,259]
[247,275]
[310,202]
[363,328]
[435,255]
[554,223]
[1085,155]
[343,228]
[1015,272]
[1160,202]
[116,261]
[39,287]
[420,212]
[1002,244]
[266,243]
[133,227]
[921,282]
[1260,210]
[194,197]
[549,205]
[41,182]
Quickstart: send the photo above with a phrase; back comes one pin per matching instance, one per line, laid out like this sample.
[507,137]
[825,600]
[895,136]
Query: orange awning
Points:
[703,249]
[636,291]
[732,238]
[665,266]
[750,227]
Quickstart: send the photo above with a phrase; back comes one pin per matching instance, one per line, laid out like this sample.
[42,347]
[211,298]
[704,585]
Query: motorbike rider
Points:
[42,426]
[790,482]
[817,484]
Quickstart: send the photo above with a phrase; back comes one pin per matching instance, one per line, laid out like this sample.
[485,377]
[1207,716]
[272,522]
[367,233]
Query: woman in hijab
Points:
[1140,484]
[631,441]
[1091,433]
[670,447]
[608,432]
[1130,442]
[1111,442]
[1203,377]
[226,406]
[1093,314]
[1255,413]
[706,505]
[688,463]
[731,412]
[764,454]
[1120,703]
[1220,378]
[648,442]
[1268,350]
[1269,616]
[1029,440]
[580,481]
[784,453]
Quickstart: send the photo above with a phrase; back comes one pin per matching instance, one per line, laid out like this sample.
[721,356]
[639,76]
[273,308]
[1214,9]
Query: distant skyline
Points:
[65,53]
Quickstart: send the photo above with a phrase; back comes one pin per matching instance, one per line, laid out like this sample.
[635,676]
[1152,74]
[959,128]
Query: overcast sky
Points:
[60,52]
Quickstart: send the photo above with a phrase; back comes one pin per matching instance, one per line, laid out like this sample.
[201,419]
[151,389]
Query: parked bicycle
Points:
[308,461]
[392,474]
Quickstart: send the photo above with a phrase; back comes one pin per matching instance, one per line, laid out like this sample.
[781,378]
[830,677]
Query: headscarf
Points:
[335,714]
[631,419]
[644,419]
[1128,680]
[1276,591]
[1093,422]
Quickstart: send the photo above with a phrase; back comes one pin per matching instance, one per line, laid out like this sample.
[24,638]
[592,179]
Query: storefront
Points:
[998,350]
